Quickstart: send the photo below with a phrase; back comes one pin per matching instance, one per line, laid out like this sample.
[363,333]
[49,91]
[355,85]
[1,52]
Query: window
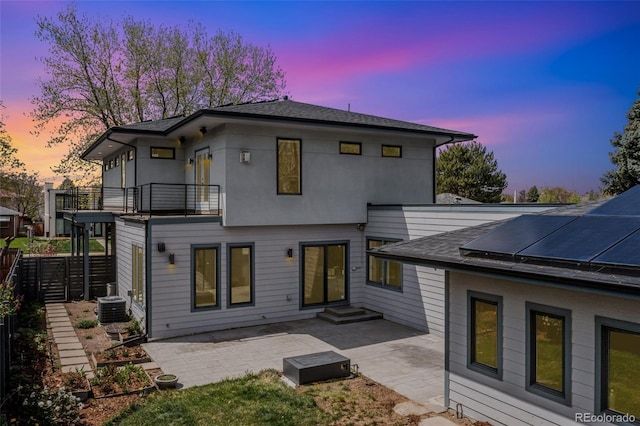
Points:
[324,277]
[351,148]
[106,166]
[169,153]
[617,367]
[137,267]
[549,352]
[130,155]
[484,333]
[4,222]
[391,151]
[289,167]
[240,274]
[110,164]
[205,276]
[383,272]
[116,162]
[123,172]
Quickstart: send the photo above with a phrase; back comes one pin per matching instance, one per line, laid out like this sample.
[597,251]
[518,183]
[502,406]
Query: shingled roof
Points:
[286,110]
[443,251]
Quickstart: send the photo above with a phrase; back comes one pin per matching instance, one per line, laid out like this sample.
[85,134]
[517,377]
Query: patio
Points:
[402,358]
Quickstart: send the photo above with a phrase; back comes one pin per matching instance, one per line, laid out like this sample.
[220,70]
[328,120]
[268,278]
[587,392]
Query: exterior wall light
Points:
[290,253]
[209,156]
[245,157]
[172,259]
[203,130]
[182,139]
[189,161]
[161,247]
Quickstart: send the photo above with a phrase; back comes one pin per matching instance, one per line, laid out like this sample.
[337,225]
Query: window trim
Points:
[278,139]
[137,274]
[164,148]
[601,358]
[347,275]
[218,304]
[252,286]
[345,143]
[382,154]
[383,284]
[485,369]
[563,397]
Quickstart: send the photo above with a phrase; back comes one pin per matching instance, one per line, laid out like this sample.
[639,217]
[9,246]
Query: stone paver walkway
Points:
[70,351]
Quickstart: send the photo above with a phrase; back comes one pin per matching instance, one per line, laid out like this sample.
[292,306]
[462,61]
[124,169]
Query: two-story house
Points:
[255,213]
[259,213]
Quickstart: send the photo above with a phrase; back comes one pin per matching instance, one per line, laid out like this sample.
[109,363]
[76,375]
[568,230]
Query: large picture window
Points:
[241,276]
[485,333]
[618,367]
[205,276]
[137,268]
[381,272]
[549,352]
[289,174]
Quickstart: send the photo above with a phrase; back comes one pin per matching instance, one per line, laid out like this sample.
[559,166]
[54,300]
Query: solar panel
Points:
[625,204]
[517,234]
[583,239]
[625,253]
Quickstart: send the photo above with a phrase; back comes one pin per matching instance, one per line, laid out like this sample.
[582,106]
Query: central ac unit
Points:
[112,309]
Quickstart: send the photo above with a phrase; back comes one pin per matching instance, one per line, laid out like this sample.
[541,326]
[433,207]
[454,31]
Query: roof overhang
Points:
[116,138]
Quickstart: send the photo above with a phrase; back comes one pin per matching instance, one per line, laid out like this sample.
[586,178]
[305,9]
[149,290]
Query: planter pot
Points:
[82,394]
[166,381]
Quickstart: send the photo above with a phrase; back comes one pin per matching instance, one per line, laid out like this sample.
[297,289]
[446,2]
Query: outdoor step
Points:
[345,311]
[366,315]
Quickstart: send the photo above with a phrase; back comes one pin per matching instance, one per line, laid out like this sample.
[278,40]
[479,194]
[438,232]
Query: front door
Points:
[202,178]
[324,270]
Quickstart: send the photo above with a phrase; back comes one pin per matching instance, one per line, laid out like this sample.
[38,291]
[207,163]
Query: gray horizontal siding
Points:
[488,398]
[421,303]
[126,236]
[276,277]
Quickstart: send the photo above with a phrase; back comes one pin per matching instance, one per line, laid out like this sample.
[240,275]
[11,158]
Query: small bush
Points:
[86,323]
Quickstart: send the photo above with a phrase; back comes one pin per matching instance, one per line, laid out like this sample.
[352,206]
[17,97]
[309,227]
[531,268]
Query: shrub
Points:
[51,406]
[86,323]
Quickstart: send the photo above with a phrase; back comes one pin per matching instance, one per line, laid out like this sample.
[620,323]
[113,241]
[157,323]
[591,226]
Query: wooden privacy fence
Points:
[61,278]
[10,276]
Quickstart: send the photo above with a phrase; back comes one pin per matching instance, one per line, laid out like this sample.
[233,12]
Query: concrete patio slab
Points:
[404,359]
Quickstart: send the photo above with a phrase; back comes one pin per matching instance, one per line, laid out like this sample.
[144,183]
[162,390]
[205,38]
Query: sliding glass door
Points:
[324,273]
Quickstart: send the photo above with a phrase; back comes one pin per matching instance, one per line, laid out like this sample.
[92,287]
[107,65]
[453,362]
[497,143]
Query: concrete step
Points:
[349,315]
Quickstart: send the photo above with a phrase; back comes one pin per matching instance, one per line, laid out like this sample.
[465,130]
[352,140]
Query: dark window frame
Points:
[384,284]
[602,325]
[472,364]
[194,248]
[165,149]
[137,274]
[564,396]
[283,139]
[325,245]
[391,146]
[252,286]
[345,143]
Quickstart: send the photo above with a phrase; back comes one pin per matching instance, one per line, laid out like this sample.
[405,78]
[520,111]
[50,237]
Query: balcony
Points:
[152,199]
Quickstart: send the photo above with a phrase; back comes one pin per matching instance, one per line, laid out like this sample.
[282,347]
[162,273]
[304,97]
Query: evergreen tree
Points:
[626,155]
[533,195]
[470,171]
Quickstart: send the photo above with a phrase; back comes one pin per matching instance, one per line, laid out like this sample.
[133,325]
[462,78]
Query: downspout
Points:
[433,168]
[147,282]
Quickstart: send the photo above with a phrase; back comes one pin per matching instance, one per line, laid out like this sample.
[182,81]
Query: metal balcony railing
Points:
[152,198]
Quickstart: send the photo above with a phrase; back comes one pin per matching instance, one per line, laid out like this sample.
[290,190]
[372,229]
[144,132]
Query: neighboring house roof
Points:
[448,198]
[287,111]
[444,250]
[4,211]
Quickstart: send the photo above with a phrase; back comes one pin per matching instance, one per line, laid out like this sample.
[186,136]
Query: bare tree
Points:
[104,74]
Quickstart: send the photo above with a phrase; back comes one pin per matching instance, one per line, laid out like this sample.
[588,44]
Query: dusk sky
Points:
[544,84]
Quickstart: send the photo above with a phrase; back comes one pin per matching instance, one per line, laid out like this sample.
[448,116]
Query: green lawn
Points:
[254,399]
[60,245]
